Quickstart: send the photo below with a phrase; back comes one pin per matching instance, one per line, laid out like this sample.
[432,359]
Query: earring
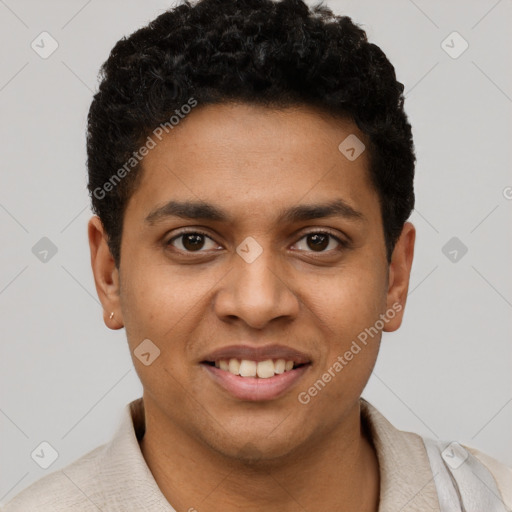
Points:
[111,315]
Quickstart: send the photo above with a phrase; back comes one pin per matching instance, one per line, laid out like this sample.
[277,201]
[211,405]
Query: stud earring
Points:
[111,315]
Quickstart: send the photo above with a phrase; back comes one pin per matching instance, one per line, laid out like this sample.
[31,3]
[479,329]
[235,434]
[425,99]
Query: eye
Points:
[322,241]
[191,241]
[197,241]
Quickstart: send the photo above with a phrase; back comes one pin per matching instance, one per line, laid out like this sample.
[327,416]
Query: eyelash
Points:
[343,244]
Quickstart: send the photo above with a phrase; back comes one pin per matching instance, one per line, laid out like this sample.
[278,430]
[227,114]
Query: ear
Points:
[399,273]
[106,275]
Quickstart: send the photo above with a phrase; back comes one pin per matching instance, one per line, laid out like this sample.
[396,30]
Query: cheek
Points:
[347,307]
[151,305]
[165,304]
[157,306]
[350,301]
[156,302]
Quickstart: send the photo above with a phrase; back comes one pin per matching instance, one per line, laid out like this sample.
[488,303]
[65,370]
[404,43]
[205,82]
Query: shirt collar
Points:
[406,481]
[134,482]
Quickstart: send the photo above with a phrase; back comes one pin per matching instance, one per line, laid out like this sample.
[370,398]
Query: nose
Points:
[256,292]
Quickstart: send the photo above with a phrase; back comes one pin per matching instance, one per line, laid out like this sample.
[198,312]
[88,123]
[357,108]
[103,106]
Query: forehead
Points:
[254,160]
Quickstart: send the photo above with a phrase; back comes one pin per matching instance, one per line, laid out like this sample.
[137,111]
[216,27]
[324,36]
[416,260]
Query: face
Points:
[252,239]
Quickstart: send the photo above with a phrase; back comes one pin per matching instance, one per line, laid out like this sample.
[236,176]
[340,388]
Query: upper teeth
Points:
[247,368]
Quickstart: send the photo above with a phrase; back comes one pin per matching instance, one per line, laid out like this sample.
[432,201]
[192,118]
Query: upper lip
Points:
[260,353]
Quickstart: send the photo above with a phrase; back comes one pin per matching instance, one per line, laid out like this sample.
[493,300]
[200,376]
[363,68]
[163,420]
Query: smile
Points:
[262,369]
[251,380]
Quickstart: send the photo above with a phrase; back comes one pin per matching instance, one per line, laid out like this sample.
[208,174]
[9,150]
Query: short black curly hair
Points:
[276,54]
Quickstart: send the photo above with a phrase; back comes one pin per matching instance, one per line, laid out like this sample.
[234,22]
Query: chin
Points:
[253,449]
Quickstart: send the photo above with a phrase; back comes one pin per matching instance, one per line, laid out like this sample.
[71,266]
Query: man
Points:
[251,167]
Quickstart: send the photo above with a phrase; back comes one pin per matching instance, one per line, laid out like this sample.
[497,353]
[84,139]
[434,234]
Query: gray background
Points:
[64,377]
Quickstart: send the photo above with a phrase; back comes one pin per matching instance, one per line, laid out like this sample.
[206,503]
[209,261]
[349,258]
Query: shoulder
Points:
[60,490]
[474,476]
[502,474]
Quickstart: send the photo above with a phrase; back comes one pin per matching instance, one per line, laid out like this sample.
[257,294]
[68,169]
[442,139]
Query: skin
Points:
[207,450]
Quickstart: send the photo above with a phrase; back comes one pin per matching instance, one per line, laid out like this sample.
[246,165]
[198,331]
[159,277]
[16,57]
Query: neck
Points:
[338,472]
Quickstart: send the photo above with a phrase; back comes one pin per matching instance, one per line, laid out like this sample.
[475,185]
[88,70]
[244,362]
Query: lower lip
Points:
[254,388]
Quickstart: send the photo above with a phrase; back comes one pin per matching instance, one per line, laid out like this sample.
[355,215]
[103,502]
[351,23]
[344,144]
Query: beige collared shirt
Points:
[115,477]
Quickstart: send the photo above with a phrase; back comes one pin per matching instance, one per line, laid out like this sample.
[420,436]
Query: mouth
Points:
[255,369]
[256,374]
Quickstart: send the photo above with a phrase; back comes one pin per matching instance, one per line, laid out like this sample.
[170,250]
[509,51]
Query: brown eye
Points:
[191,242]
[320,242]
[317,241]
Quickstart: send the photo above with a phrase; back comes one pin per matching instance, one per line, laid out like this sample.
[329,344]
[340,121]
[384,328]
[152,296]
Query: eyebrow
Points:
[207,211]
